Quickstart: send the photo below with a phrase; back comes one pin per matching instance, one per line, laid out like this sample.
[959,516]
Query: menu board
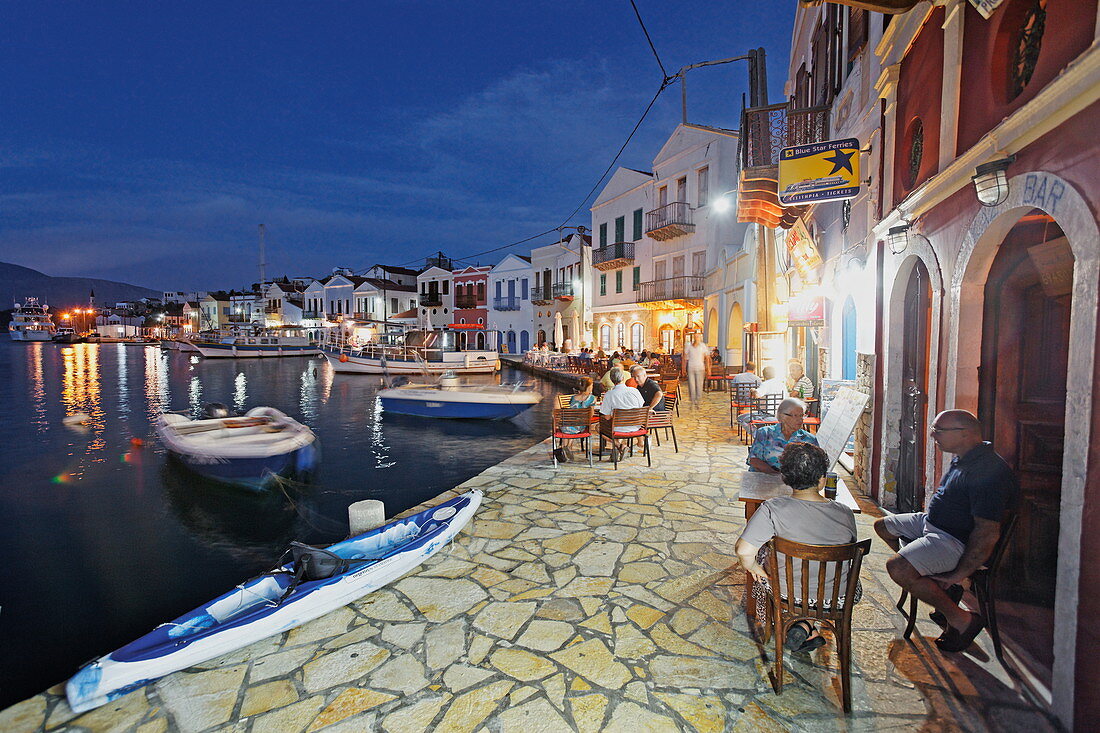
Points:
[839,420]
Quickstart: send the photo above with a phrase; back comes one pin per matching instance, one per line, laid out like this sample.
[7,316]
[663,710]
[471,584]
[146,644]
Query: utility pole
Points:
[263,264]
[758,81]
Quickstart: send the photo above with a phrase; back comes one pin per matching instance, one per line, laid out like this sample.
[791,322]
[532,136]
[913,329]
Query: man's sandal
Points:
[957,641]
[799,640]
[955,593]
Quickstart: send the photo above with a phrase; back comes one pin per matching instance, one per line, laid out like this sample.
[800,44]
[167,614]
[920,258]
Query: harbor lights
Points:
[991,181]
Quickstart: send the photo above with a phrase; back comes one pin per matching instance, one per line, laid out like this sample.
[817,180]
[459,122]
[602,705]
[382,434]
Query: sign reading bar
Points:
[825,171]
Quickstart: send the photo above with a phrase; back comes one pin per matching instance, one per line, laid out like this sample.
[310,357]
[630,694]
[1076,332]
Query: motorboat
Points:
[455,348]
[449,397]
[30,321]
[265,343]
[281,599]
[249,450]
[67,335]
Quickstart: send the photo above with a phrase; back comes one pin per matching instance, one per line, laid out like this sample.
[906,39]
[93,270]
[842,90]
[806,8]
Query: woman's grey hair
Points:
[616,375]
[802,465]
[790,402]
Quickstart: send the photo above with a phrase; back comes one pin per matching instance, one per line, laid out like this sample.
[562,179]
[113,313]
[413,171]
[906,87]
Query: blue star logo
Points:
[841,160]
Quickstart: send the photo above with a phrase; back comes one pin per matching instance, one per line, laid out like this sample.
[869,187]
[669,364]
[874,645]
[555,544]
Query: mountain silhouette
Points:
[18,283]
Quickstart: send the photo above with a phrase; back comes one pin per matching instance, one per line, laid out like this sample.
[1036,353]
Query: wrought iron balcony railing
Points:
[542,296]
[311,314]
[273,309]
[670,220]
[563,291]
[506,303]
[612,256]
[466,301]
[430,298]
[363,316]
[684,287]
[774,127]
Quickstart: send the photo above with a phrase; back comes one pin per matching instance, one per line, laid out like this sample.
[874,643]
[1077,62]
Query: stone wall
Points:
[865,383]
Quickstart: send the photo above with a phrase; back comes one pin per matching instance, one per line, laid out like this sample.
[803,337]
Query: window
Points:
[637,336]
[704,186]
[660,270]
[662,196]
[620,229]
[394,307]
[498,288]
[618,281]
[446,286]
[523,288]
[603,284]
[605,337]
[698,263]
[637,278]
[603,234]
[481,292]
[678,266]
[620,336]
[637,225]
[682,189]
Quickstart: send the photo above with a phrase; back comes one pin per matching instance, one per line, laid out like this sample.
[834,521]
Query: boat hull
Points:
[249,613]
[461,363]
[453,410]
[31,335]
[253,473]
[246,351]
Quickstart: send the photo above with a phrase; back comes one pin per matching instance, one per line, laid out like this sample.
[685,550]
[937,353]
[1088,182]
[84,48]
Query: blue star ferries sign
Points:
[824,171]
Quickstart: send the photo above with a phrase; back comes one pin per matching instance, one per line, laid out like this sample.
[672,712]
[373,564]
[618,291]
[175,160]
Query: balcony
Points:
[273,309]
[431,299]
[240,318]
[669,221]
[362,316]
[613,256]
[766,131]
[506,303]
[311,315]
[542,296]
[563,291]
[466,301]
[673,292]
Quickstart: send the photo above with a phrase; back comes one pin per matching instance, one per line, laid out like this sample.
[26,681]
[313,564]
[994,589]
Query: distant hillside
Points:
[18,283]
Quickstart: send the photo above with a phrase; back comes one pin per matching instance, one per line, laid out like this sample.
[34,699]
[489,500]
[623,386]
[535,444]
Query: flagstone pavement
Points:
[579,599]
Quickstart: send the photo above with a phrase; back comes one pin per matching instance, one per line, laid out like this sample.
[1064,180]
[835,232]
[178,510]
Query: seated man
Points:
[619,397]
[649,389]
[948,543]
[747,377]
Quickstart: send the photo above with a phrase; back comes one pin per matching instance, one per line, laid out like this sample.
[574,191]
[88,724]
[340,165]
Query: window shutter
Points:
[637,278]
[620,229]
[603,284]
[603,234]
[637,225]
[618,281]
[857,32]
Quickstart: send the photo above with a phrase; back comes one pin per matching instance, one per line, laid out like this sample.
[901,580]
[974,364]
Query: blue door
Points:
[848,340]
[524,341]
[511,342]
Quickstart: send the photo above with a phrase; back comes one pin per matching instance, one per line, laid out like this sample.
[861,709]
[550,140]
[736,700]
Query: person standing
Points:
[696,366]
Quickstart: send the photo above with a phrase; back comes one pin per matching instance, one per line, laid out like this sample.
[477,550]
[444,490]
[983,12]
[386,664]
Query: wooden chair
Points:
[671,387]
[612,429]
[662,420]
[828,607]
[576,417]
[767,405]
[563,401]
[740,401]
[983,584]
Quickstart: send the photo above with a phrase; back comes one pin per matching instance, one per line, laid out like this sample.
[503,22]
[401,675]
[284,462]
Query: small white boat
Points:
[31,322]
[268,343]
[462,350]
[451,398]
[249,450]
[271,603]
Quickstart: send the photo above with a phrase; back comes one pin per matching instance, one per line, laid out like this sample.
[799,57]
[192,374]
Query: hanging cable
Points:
[664,74]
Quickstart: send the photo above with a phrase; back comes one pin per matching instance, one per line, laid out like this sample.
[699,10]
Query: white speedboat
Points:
[417,352]
[279,600]
[450,398]
[249,450]
[267,343]
[31,322]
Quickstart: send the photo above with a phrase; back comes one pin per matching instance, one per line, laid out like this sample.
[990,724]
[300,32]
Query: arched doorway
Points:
[605,338]
[735,336]
[668,338]
[917,311]
[1022,405]
[512,342]
[711,328]
[541,339]
[848,340]
[637,336]
[524,341]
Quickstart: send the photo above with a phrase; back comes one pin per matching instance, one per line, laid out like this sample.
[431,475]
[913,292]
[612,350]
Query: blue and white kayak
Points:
[452,399]
[253,610]
[249,450]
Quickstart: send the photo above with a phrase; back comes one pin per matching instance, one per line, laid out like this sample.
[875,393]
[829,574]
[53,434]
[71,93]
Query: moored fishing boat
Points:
[450,398]
[272,603]
[458,348]
[266,343]
[249,450]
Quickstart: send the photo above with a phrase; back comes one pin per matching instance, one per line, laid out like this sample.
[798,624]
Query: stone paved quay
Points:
[578,600]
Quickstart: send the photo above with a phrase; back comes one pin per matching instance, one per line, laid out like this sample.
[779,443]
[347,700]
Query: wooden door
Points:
[914,390]
[1025,358]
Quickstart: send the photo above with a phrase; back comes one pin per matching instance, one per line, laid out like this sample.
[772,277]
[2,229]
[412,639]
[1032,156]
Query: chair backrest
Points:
[742,392]
[1008,527]
[768,404]
[670,402]
[629,416]
[815,560]
[670,386]
[572,417]
[563,400]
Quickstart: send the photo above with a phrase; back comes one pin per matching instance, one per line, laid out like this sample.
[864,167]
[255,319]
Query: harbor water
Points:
[104,537]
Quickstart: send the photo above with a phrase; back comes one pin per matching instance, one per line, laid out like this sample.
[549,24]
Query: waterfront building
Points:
[963,275]
[399,275]
[511,314]
[192,313]
[378,299]
[436,299]
[561,293]
[246,309]
[284,303]
[470,298]
[313,297]
[214,310]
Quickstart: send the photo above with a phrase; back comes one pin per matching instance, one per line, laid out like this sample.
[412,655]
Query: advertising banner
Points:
[824,171]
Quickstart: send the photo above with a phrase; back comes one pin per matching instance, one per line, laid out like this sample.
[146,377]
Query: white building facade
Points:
[510,310]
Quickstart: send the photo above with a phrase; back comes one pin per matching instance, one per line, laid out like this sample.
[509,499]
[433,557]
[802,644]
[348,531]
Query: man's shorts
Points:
[928,548]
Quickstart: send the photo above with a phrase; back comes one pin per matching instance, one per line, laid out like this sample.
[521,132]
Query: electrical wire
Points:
[652,48]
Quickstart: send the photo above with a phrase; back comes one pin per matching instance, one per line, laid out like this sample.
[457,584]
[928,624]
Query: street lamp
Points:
[897,239]
[991,181]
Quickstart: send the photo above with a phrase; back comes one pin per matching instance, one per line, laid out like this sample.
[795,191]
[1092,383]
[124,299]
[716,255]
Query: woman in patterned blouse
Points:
[770,440]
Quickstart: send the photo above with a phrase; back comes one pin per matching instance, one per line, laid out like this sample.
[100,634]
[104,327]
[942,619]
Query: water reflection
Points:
[307,400]
[80,389]
[377,438]
[194,395]
[240,391]
[38,385]
[123,392]
[249,526]
[157,394]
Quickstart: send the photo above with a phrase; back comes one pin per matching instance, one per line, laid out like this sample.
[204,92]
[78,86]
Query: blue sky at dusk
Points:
[145,142]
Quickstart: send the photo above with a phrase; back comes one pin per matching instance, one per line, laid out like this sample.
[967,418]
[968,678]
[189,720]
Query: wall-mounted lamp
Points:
[991,181]
[897,239]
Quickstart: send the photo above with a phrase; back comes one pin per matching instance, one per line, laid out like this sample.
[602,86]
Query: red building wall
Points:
[920,85]
[989,48]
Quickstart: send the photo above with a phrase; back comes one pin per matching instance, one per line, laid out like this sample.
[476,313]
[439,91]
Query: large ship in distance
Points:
[31,322]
